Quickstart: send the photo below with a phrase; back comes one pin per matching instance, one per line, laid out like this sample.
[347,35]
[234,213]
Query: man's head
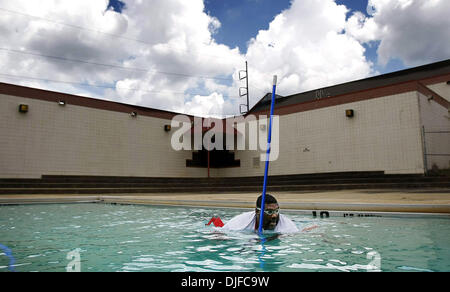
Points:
[271,215]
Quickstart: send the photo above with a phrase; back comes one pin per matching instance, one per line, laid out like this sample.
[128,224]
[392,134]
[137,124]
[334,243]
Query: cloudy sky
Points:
[185,55]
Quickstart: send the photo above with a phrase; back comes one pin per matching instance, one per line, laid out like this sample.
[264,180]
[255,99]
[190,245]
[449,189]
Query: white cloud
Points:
[414,31]
[166,36]
[309,45]
[362,28]
[213,105]
[307,48]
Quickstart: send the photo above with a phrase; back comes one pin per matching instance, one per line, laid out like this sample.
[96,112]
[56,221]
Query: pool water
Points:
[146,238]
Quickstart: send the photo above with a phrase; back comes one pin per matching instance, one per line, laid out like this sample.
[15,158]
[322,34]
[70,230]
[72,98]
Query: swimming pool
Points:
[104,237]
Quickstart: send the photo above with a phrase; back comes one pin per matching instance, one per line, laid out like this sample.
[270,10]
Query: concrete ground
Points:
[408,200]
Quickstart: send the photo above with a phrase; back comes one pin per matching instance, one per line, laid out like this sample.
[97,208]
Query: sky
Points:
[186,56]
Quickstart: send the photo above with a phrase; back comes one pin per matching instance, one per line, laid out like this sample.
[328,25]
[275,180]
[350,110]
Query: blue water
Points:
[143,238]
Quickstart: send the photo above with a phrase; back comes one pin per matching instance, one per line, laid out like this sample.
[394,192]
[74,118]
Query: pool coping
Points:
[316,209]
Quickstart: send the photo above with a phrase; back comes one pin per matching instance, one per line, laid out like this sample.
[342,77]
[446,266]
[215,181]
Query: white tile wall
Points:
[73,140]
[443,89]
[384,135]
[435,118]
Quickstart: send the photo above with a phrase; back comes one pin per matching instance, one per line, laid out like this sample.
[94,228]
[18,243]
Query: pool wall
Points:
[320,209]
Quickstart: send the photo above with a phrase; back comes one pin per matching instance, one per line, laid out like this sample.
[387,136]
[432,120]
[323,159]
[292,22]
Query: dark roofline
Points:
[420,73]
[426,74]
[70,99]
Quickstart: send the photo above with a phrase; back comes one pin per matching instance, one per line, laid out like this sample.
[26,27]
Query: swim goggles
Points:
[270,212]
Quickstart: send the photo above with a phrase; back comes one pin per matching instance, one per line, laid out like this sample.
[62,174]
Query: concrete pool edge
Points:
[315,213]
[319,209]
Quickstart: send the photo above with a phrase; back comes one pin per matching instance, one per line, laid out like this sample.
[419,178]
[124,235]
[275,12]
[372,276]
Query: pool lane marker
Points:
[266,170]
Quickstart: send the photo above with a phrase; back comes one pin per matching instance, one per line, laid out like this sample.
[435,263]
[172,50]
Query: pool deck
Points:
[428,201]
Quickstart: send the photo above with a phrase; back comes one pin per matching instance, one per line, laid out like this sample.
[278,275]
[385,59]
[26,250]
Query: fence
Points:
[436,149]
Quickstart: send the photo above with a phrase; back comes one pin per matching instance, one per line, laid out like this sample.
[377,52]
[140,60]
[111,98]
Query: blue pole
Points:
[266,170]
[263,251]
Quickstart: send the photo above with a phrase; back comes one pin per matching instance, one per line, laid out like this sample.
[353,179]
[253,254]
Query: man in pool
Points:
[272,219]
